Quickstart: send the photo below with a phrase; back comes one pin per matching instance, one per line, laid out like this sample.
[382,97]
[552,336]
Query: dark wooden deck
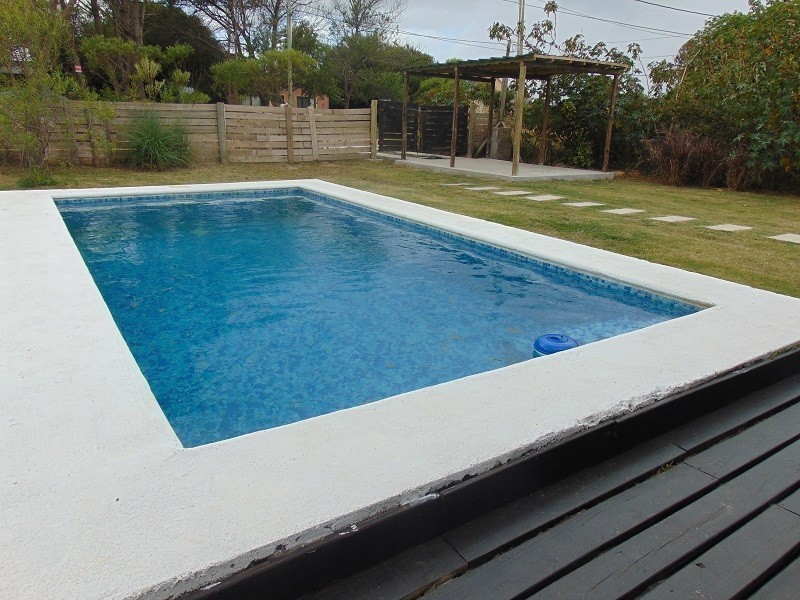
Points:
[695,497]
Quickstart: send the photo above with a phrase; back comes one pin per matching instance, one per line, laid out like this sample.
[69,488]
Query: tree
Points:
[350,18]
[167,25]
[734,86]
[233,21]
[579,110]
[367,67]
[264,76]
[33,86]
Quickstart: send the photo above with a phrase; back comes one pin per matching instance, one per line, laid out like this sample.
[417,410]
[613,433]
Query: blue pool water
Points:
[252,310]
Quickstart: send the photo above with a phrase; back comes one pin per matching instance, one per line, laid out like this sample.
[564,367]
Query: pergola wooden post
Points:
[607,152]
[454,132]
[404,135]
[519,107]
[491,118]
[545,123]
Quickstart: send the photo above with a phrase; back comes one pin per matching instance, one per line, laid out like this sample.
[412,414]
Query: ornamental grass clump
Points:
[156,146]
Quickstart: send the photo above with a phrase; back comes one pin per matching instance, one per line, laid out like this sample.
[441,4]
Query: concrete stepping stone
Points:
[512,193]
[728,227]
[624,211]
[582,204]
[786,237]
[544,197]
[483,188]
[456,184]
[672,219]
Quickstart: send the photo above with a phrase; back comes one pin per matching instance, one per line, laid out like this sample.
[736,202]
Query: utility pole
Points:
[290,87]
[504,89]
[521,28]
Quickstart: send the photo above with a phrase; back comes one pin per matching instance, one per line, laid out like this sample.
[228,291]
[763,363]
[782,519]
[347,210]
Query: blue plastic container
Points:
[551,343]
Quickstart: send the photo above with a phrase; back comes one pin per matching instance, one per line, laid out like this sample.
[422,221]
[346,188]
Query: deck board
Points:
[534,562]
[732,567]
[404,576]
[783,586]
[501,527]
[750,445]
[741,413]
[642,559]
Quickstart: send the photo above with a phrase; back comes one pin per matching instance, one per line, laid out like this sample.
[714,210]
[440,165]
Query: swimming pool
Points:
[96,481]
[254,309]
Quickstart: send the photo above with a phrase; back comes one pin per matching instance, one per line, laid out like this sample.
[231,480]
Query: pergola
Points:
[528,66]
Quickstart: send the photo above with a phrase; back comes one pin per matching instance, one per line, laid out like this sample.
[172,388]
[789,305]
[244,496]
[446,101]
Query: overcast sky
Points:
[470,19]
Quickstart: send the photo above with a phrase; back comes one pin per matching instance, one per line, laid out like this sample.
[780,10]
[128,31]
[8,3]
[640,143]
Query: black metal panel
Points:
[429,128]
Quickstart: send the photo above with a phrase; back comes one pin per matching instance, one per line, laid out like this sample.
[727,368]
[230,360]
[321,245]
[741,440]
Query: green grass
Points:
[747,257]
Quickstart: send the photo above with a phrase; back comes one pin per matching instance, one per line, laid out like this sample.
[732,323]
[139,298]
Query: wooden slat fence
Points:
[225,133]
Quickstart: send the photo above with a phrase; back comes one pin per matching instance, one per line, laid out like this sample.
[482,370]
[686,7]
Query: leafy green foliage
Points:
[153,145]
[735,85]
[36,177]
[34,88]
[265,77]
[168,25]
[368,67]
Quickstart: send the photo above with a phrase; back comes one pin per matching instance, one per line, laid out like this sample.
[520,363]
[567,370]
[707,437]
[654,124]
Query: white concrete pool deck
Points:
[100,500]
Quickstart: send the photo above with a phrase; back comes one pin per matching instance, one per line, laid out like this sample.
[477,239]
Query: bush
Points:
[36,177]
[156,146]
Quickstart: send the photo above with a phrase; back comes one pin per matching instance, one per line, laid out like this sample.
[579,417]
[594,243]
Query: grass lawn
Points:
[747,257]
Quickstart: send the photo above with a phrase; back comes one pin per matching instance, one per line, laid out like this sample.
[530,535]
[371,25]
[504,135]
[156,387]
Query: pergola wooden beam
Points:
[528,66]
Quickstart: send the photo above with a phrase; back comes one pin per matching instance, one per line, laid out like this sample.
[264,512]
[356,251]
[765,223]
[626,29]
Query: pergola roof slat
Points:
[538,66]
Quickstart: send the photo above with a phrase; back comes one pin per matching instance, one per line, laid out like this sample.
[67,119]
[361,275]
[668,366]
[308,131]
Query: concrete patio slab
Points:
[544,197]
[728,227]
[786,237]
[582,204]
[494,169]
[456,184]
[482,188]
[624,211]
[672,219]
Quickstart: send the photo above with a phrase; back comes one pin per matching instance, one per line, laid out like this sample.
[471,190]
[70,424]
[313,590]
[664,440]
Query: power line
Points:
[482,44]
[683,10]
[568,11]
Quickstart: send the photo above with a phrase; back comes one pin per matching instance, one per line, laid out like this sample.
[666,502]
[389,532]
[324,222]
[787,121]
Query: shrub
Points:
[156,146]
[36,177]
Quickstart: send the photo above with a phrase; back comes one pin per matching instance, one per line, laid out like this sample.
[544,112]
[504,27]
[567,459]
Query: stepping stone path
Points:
[786,237]
[728,227]
[544,197]
[624,211]
[582,204]
[511,193]
[672,219]
[793,238]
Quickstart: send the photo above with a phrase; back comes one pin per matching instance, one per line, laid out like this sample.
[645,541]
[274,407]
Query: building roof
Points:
[539,66]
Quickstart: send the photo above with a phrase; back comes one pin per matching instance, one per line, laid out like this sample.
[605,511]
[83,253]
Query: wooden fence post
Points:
[222,133]
[312,122]
[289,135]
[373,130]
